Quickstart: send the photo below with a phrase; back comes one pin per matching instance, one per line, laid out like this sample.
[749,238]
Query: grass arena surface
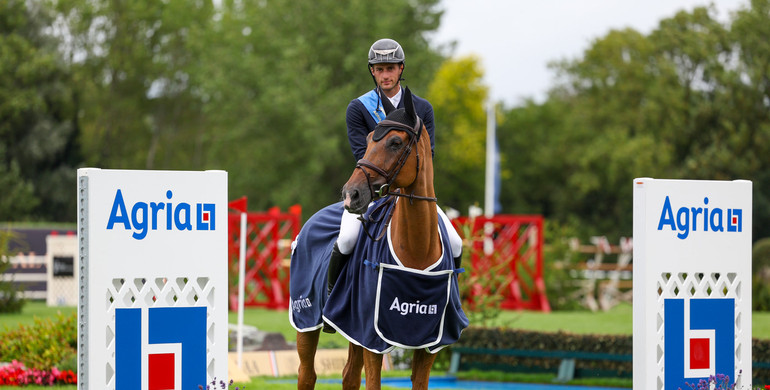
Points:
[618,320]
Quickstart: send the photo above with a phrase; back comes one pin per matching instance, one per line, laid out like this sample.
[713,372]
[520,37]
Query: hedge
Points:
[502,338]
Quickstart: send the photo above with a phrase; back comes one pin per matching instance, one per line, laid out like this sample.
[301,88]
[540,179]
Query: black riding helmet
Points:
[385,51]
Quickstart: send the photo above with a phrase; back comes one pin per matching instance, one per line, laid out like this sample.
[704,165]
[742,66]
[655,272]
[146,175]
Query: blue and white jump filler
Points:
[153,287]
[692,282]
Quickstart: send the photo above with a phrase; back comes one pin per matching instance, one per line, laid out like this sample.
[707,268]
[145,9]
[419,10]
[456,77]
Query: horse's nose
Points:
[351,196]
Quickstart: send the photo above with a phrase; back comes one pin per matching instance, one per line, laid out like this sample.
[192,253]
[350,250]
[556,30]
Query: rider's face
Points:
[387,76]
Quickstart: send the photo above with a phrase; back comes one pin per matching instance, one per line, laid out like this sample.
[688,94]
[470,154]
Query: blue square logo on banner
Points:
[699,340]
[175,350]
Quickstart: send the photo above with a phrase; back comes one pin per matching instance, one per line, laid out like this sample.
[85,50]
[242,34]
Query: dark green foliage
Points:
[38,139]
[760,353]
[686,101]
[537,342]
[256,88]
[499,338]
[760,284]
[10,299]
[559,259]
[259,89]
[45,344]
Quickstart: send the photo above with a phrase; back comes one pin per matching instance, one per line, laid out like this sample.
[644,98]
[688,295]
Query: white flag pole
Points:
[241,284]
[489,184]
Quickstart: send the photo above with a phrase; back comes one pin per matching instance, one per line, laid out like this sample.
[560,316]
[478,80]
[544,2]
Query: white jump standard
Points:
[692,282]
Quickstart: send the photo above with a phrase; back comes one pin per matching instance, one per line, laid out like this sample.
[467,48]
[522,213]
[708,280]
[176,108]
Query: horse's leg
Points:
[351,374]
[373,368]
[422,361]
[307,342]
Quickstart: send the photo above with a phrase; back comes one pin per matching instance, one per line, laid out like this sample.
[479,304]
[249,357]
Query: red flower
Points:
[15,374]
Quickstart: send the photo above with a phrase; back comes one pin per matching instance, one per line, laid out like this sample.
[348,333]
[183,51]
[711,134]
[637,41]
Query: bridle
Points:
[386,126]
[390,177]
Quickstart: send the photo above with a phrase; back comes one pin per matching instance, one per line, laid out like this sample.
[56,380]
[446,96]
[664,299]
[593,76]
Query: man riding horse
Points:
[397,284]
[386,65]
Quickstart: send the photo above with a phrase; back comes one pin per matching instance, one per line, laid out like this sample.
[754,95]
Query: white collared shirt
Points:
[397,97]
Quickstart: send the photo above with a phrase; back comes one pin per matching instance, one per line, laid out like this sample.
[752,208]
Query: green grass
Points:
[619,320]
[278,321]
[32,310]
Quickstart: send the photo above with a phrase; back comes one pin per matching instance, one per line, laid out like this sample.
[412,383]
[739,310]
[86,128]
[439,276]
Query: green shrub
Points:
[501,338]
[558,260]
[10,298]
[760,283]
[760,352]
[480,289]
[45,344]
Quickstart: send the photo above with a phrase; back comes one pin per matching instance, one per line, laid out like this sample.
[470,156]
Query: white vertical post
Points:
[241,284]
[489,184]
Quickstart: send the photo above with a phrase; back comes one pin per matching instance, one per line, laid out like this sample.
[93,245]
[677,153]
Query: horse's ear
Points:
[409,103]
[386,103]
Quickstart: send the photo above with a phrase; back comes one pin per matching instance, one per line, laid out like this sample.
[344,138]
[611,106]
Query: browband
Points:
[386,125]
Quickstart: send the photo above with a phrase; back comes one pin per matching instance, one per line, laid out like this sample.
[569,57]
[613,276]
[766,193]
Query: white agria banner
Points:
[153,279]
[692,282]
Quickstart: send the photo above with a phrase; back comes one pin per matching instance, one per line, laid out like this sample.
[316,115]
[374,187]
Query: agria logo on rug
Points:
[690,218]
[166,215]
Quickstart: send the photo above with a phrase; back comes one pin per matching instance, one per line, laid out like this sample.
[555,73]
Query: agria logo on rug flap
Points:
[417,308]
[160,348]
[704,217]
[166,215]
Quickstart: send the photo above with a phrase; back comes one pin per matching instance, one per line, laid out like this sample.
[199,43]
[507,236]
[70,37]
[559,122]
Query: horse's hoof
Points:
[328,328]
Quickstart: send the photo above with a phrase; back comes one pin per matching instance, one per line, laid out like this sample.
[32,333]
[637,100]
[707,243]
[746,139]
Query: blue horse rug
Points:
[377,303]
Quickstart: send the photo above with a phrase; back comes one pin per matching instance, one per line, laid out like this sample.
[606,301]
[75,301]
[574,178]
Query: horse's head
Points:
[392,158]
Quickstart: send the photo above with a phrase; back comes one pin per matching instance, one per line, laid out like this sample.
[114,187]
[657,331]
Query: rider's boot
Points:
[459,260]
[337,260]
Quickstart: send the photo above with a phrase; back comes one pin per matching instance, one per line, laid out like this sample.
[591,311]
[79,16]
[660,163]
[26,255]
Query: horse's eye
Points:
[395,143]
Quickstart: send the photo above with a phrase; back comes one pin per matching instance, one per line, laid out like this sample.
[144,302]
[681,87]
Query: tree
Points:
[132,64]
[278,77]
[745,100]
[689,100]
[577,153]
[255,88]
[11,300]
[458,97]
[38,148]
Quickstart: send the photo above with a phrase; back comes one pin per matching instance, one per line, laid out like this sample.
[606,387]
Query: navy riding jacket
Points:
[360,123]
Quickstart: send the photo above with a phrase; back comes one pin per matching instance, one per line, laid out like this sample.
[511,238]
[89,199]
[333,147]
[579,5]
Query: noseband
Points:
[390,177]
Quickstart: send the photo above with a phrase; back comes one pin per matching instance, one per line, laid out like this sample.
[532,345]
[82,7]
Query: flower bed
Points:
[15,374]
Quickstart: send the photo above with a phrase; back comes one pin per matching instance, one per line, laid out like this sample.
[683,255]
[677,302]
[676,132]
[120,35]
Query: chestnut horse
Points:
[398,163]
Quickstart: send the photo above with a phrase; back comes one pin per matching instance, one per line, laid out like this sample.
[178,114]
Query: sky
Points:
[516,39]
